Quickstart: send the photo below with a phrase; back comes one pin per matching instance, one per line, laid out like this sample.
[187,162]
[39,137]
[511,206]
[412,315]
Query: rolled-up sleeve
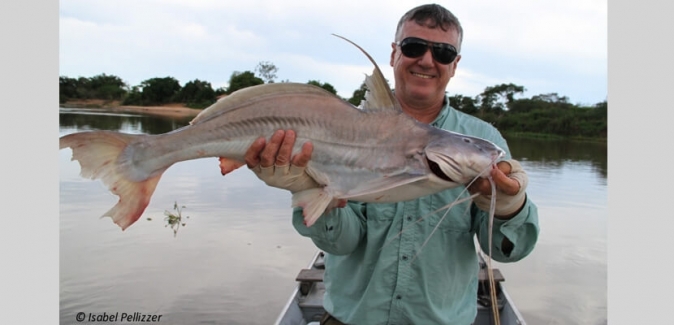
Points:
[337,232]
[521,230]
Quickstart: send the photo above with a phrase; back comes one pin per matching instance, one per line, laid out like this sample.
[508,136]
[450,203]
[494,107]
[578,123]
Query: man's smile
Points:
[420,75]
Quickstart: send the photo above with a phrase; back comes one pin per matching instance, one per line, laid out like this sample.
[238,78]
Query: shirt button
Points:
[409,218]
[399,297]
[404,257]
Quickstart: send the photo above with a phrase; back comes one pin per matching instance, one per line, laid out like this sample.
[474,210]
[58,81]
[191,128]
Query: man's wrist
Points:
[511,215]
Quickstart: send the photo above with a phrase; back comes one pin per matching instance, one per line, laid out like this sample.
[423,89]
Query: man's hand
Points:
[272,163]
[511,182]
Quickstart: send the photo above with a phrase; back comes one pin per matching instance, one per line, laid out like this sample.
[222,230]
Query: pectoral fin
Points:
[228,165]
[313,203]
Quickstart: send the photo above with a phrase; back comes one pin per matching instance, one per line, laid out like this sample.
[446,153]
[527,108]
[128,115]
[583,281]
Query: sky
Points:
[546,46]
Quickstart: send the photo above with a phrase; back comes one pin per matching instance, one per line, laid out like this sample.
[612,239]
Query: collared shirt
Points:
[397,263]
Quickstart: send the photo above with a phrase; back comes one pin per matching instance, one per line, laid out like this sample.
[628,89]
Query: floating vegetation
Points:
[175,219]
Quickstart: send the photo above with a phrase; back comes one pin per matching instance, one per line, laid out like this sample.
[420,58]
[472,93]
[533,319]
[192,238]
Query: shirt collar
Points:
[440,119]
[442,116]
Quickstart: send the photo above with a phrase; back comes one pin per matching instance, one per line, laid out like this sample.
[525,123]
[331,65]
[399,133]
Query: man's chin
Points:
[421,93]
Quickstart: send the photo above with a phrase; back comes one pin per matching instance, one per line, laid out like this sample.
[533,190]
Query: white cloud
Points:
[532,28]
[210,39]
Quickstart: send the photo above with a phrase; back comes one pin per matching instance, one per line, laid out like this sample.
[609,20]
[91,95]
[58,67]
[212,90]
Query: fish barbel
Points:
[372,154]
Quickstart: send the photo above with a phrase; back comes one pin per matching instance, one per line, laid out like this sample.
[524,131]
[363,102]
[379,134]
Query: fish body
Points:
[372,154]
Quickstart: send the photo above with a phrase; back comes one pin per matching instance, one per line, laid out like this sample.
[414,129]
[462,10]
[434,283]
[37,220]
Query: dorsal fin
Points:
[237,98]
[379,95]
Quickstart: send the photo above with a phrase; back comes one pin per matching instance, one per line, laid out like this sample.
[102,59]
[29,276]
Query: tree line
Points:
[549,114]
[543,114]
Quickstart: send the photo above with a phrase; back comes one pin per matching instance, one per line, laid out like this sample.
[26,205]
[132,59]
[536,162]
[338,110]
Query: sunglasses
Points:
[414,47]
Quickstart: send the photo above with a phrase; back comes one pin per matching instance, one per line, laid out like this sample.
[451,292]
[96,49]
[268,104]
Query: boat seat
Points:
[307,277]
[484,277]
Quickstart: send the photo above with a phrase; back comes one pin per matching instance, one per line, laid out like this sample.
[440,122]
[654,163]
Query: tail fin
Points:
[98,153]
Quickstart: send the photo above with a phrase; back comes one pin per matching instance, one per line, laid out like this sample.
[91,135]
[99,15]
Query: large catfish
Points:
[375,153]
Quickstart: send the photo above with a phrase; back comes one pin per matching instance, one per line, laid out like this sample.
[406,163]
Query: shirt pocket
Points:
[381,212]
[458,219]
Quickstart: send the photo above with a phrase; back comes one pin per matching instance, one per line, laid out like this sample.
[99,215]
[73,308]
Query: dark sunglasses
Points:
[414,47]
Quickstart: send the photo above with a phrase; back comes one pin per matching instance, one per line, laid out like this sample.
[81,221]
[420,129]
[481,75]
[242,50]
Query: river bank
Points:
[168,110]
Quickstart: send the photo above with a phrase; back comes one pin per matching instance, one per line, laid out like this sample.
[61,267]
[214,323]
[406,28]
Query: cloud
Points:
[563,43]
[530,28]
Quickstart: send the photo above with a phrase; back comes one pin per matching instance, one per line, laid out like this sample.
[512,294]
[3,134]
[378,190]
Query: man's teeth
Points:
[421,75]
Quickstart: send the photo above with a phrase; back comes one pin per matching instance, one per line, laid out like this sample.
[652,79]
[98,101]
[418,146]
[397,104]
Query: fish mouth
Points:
[437,171]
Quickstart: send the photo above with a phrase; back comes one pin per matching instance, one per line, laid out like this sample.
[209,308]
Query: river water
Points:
[235,259]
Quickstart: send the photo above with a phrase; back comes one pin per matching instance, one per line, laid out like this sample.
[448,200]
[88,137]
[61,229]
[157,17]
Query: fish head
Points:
[459,158]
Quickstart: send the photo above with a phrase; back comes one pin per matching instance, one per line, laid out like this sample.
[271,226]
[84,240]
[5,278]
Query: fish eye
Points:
[466,140]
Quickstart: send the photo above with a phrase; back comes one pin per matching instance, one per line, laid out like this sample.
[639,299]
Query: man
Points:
[383,265]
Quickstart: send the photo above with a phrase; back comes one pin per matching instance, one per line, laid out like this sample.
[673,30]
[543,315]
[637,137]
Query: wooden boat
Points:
[305,306]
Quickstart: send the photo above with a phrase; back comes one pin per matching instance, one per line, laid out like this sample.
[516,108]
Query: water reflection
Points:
[100,119]
[556,153]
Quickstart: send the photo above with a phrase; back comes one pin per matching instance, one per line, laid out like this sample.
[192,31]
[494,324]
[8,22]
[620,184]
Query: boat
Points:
[305,306]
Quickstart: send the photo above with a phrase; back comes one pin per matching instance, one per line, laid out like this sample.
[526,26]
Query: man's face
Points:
[422,79]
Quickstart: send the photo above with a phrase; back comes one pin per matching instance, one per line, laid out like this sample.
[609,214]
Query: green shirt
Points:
[377,268]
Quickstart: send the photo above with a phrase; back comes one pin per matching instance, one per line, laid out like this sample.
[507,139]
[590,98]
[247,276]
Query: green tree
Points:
[601,109]
[240,80]
[84,88]
[325,86]
[463,103]
[97,87]
[158,91]
[551,98]
[497,98]
[109,87]
[220,91]
[267,71]
[67,89]
[196,94]
[133,97]
[523,105]
[358,95]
